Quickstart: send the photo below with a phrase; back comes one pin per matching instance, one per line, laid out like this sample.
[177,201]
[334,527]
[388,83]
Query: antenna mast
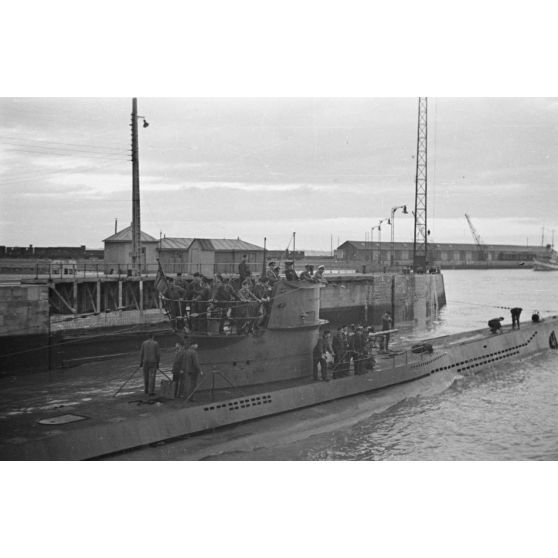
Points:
[420,243]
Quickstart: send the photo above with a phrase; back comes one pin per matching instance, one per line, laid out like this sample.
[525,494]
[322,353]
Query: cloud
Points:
[231,165]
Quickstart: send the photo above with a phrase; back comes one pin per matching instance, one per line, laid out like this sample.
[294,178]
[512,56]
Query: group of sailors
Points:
[308,274]
[218,305]
[185,368]
[495,324]
[351,344]
[225,305]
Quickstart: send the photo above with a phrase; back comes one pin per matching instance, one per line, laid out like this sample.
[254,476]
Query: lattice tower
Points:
[420,243]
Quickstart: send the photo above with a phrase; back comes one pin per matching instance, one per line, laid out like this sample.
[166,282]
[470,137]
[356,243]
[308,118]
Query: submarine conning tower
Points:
[281,350]
[295,304]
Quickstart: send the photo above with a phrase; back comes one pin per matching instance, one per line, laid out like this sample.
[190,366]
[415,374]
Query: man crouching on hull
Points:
[150,356]
[495,325]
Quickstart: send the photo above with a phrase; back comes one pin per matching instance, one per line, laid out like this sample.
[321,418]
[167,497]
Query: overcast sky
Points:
[267,167]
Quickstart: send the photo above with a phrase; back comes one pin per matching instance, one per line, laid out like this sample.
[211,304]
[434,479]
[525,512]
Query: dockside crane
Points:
[480,244]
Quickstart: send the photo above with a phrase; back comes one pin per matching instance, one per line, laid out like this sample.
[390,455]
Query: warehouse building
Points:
[207,255]
[376,255]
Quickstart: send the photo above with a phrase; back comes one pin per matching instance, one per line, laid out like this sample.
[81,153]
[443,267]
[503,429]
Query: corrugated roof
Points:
[209,244]
[205,244]
[176,243]
[125,235]
[226,244]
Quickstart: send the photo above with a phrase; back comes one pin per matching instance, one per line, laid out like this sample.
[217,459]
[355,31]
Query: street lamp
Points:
[380,240]
[372,243]
[392,223]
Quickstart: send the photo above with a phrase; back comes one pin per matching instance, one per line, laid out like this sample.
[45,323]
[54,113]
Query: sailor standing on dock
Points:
[150,356]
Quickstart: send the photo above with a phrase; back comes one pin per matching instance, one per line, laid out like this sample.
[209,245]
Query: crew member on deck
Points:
[192,369]
[495,324]
[306,275]
[359,351]
[262,291]
[201,294]
[150,356]
[340,348]
[323,346]
[272,277]
[243,269]
[319,275]
[515,313]
[290,273]
[178,373]
[386,325]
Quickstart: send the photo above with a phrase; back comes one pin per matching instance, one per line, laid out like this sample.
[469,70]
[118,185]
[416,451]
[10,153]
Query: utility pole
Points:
[294,246]
[136,225]
[420,242]
[542,237]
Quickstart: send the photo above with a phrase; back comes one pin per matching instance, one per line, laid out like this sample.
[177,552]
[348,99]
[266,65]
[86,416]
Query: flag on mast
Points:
[161,283]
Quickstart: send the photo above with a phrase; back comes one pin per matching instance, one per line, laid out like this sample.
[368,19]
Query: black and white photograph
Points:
[259,296]
[303,278]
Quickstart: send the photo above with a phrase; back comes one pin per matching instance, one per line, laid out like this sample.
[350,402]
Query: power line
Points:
[26,178]
[61,149]
[88,155]
[39,142]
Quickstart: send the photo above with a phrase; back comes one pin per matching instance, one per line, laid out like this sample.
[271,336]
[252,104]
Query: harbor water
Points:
[506,412]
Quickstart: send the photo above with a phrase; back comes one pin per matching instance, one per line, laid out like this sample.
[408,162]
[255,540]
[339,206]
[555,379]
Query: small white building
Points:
[118,252]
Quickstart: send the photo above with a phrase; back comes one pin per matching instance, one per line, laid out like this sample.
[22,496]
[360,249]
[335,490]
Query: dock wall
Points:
[24,324]
[34,334]
[24,309]
[411,299]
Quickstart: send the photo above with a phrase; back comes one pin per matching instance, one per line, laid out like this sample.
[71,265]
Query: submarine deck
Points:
[87,392]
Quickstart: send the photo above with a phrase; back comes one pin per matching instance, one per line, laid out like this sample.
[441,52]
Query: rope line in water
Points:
[492,306]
